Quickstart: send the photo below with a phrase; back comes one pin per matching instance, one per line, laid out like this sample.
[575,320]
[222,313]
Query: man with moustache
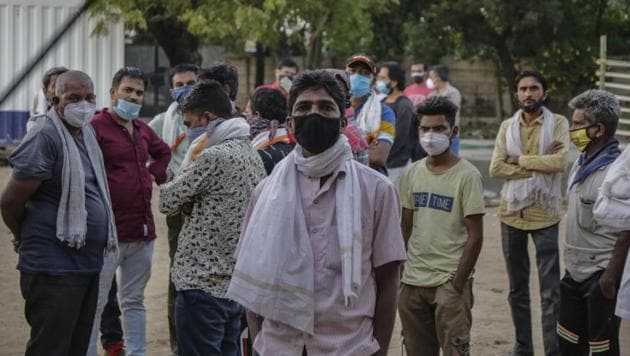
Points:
[530,155]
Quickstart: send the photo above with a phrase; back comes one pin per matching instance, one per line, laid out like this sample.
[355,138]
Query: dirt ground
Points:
[492,332]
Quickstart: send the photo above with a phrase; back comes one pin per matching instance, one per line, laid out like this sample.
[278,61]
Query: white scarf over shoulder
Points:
[612,208]
[369,119]
[274,273]
[228,129]
[540,188]
[171,130]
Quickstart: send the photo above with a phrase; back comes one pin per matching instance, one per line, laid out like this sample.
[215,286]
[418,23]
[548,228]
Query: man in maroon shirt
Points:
[134,156]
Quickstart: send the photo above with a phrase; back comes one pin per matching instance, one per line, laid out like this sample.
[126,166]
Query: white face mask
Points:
[286,82]
[435,143]
[430,83]
[78,114]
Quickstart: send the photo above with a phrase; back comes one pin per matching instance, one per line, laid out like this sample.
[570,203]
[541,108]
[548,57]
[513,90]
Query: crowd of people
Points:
[309,216]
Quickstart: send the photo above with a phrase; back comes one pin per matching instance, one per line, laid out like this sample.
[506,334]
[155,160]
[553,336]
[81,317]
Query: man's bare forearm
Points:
[387,283]
[472,249]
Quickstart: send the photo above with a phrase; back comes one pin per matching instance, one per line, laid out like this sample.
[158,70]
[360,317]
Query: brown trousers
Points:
[434,318]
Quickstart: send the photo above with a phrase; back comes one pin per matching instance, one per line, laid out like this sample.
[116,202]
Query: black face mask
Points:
[316,133]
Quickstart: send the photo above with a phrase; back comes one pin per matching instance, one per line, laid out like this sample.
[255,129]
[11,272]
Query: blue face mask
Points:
[179,94]
[382,87]
[360,85]
[127,110]
[208,129]
[196,132]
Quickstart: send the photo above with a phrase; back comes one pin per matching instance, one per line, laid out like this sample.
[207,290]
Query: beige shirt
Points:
[533,217]
[339,330]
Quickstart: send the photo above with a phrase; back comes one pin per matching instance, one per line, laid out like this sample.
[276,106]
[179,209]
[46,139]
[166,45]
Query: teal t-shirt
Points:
[177,157]
[440,202]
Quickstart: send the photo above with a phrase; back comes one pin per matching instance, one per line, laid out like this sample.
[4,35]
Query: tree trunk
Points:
[508,69]
[260,65]
[314,47]
[172,35]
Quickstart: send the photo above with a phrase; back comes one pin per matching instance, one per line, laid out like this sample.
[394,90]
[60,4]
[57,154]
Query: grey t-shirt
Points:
[40,157]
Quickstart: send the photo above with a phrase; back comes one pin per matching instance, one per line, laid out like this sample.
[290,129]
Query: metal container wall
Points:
[28,25]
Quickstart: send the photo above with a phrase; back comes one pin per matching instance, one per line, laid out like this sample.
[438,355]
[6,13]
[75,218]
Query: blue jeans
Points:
[134,270]
[206,325]
[517,260]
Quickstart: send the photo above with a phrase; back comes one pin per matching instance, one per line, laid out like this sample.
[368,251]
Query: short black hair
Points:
[181,68]
[50,73]
[287,62]
[438,105]
[208,96]
[530,73]
[225,74]
[270,103]
[396,73]
[313,80]
[441,71]
[128,72]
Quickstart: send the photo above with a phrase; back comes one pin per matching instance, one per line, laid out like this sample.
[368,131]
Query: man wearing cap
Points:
[376,120]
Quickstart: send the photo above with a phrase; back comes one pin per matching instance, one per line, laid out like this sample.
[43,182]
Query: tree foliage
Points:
[558,37]
[319,27]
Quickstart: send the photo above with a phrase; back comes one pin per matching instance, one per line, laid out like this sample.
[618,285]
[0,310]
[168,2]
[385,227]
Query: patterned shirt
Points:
[218,184]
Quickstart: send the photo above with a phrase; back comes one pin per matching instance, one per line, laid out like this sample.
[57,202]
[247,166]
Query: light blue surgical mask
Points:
[196,132]
[213,125]
[382,87]
[360,85]
[127,110]
[179,94]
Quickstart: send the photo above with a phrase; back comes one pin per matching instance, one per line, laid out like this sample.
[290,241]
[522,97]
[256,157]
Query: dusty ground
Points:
[492,332]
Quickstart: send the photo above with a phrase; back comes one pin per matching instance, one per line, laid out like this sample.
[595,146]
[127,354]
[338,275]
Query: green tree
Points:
[160,18]
[332,27]
[319,27]
[559,37]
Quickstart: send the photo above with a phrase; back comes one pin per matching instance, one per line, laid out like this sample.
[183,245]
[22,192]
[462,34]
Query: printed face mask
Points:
[435,143]
[127,110]
[315,132]
[360,85]
[78,114]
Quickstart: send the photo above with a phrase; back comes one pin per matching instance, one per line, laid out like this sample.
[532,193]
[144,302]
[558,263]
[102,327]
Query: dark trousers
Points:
[174,224]
[60,311]
[587,320]
[111,329]
[207,326]
[517,261]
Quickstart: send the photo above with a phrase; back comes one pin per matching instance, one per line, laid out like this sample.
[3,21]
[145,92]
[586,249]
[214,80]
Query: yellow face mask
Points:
[580,138]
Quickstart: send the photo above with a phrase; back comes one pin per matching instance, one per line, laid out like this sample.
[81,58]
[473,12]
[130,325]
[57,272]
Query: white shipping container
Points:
[28,25]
